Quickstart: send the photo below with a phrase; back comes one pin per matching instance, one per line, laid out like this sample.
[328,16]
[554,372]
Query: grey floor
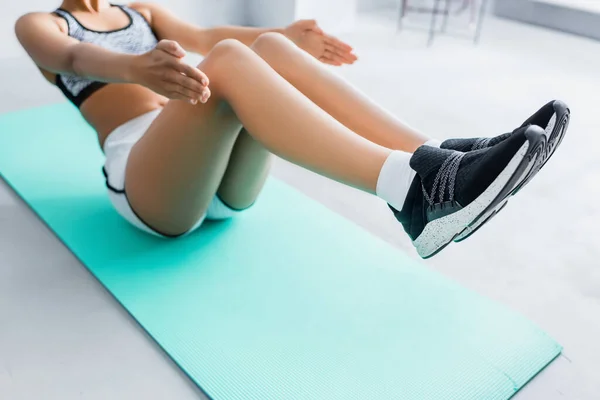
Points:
[63,337]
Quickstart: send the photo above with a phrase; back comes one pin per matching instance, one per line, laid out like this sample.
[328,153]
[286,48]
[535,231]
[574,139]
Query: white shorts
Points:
[117,147]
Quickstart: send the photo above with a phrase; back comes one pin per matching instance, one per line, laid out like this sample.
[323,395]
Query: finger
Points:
[340,50]
[171,47]
[186,82]
[345,57]
[205,95]
[338,43]
[335,58]
[327,58]
[188,95]
[192,72]
[184,94]
[348,55]
[329,62]
[174,95]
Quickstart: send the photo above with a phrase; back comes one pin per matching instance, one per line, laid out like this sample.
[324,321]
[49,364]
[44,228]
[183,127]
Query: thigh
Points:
[246,172]
[175,169]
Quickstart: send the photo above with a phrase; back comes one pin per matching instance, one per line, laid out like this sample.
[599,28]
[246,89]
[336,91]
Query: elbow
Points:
[20,26]
[22,30]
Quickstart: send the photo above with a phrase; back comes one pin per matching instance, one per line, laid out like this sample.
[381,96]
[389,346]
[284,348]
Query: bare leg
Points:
[176,168]
[246,172]
[249,163]
[335,95]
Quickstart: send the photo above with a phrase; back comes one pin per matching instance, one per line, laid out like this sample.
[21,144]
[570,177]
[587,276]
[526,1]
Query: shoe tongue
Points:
[427,160]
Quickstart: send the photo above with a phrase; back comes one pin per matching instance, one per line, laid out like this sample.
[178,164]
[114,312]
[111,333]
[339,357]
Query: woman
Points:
[183,143]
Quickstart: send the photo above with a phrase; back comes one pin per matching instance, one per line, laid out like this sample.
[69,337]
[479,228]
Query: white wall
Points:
[204,12]
[269,13]
[333,15]
[367,5]
[11,10]
[207,12]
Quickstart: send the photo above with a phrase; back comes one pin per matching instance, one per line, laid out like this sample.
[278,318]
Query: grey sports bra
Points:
[136,38]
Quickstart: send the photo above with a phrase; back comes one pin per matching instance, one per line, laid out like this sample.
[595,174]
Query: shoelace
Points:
[444,179]
[481,143]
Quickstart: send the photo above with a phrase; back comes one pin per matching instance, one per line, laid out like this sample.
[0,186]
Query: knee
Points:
[228,46]
[225,53]
[271,42]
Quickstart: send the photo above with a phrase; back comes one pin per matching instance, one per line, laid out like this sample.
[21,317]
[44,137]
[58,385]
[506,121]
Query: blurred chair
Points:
[476,8]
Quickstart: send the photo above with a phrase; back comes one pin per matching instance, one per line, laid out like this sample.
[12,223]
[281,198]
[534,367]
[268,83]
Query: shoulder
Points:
[146,9]
[35,20]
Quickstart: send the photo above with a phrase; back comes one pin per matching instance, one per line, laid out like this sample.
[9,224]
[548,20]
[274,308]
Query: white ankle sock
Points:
[395,179]
[396,176]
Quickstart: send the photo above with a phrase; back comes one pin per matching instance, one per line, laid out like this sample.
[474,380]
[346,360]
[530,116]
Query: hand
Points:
[310,37]
[163,71]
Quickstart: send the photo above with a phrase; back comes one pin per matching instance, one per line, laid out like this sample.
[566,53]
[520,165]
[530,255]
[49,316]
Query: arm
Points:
[306,34]
[161,70]
[246,35]
[191,37]
[59,53]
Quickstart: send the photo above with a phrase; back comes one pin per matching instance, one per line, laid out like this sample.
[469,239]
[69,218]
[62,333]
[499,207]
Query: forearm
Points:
[246,35]
[99,64]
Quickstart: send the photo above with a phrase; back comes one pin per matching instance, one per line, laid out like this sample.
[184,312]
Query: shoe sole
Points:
[441,232]
[554,139]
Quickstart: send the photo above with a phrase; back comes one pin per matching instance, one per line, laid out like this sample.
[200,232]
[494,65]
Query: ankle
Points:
[395,178]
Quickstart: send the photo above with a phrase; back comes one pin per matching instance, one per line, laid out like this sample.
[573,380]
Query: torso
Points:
[113,104]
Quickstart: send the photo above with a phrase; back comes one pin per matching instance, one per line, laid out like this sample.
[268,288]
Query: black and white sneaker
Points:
[453,190]
[553,117]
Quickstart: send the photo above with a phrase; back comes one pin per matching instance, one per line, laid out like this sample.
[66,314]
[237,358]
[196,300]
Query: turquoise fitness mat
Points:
[287,301]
